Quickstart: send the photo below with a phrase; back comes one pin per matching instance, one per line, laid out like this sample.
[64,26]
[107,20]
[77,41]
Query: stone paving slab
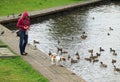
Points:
[6,52]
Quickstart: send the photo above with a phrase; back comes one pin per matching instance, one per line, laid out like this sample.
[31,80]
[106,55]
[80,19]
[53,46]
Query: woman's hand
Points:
[26,27]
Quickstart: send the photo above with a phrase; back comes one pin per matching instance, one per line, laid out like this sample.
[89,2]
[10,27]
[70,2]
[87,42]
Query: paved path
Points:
[39,60]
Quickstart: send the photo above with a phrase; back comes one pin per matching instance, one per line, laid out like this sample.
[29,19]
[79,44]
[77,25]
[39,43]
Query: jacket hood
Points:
[24,14]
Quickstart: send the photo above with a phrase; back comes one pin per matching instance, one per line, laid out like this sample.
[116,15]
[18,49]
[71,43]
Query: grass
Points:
[8,7]
[17,70]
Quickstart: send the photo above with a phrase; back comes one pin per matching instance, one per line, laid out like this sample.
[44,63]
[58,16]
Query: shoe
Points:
[24,54]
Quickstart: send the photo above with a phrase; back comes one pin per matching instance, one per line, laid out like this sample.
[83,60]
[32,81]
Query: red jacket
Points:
[22,22]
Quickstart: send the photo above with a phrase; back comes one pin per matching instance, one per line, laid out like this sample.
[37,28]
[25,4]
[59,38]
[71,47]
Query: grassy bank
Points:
[17,70]
[17,6]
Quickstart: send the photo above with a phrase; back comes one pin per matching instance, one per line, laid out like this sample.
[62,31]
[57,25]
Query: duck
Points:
[101,49]
[19,15]
[88,59]
[83,33]
[112,50]
[35,47]
[93,57]
[103,65]
[2,32]
[108,34]
[64,52]
[78,57]
[95,60]
[98,54]
[73,60]
[83,36]
[116,69]
[114,54]
[13,15]
[90,51]
[93,18]
[59,50]
[58,42]
[69,57]
[36,42]
[113,61]
[8,16]
[49,53]
[110,28]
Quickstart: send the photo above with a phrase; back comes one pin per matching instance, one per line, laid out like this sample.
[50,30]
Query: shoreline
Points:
[36,57]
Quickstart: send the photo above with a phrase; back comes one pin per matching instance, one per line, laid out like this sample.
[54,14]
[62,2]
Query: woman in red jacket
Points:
[24,25]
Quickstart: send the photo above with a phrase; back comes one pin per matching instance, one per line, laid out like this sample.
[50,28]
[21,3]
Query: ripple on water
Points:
[67,29]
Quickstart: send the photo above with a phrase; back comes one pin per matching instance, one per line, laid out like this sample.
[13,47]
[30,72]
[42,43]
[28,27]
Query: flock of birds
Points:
[13,15]
[92,58]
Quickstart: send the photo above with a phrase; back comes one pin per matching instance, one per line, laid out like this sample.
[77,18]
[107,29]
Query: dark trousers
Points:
[23,41]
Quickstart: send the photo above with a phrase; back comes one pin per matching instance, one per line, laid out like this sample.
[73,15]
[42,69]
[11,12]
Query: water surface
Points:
[67,29]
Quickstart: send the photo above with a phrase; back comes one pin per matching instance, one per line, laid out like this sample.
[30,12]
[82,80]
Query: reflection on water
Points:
[65,31]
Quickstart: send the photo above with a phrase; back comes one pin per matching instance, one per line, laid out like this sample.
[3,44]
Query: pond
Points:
[100,23]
